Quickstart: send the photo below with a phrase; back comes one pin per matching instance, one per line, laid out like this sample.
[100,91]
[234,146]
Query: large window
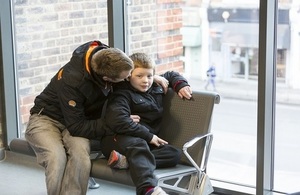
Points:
[46,35]
[188,36]
[221,34]
[197,34]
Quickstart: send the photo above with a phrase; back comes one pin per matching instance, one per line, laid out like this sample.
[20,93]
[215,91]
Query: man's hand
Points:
[162,82]
[135,118]
[157,141]
[185,92]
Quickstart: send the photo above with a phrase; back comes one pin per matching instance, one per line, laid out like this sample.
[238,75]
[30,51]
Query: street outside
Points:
[233,154]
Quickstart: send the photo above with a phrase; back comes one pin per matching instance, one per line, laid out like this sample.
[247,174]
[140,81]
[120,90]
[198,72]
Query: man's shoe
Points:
[156,191]
[117,160]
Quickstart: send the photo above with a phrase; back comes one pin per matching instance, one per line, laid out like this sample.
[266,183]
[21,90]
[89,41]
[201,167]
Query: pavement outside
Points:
[247,90]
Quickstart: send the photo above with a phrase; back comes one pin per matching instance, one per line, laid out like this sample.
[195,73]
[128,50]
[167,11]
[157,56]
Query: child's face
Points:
[141,78]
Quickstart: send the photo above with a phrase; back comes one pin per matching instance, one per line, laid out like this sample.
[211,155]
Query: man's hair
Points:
[142,60]
[110,62]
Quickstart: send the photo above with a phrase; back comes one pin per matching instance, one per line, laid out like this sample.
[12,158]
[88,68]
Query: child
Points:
[139,142]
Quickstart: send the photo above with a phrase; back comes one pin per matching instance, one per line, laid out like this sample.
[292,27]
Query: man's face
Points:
[124,75]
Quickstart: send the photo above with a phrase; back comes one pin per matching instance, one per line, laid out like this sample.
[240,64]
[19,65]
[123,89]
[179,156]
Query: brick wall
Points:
[159,35]
[47,31]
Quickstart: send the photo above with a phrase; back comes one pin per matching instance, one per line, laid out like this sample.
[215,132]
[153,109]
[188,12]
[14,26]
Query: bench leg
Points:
[93,184]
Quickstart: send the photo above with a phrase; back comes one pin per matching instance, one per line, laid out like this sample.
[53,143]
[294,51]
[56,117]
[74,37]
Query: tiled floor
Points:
[20,175]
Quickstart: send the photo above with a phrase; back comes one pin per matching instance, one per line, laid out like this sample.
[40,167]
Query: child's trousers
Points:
[142,158]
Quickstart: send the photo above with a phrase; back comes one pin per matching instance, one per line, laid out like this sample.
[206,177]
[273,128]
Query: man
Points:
[68,113]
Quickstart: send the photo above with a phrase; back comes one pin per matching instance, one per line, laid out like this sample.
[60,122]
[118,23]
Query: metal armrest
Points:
[202,167]
[206,150]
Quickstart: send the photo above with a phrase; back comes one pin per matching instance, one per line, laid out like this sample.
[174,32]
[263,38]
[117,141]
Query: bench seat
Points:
[101,170]
[187,125]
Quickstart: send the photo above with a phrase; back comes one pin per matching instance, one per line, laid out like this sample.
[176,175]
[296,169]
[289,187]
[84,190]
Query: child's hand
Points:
[135,118]
[157,141]
[185,92]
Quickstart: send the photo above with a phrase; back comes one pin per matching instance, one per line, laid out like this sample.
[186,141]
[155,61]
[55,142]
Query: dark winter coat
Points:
[75,95]
[126,101]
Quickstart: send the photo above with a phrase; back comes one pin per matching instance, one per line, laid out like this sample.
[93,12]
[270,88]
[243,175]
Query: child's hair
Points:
[110,62]
[142,60]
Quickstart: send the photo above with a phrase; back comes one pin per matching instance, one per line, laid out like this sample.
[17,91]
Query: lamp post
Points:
[225,16]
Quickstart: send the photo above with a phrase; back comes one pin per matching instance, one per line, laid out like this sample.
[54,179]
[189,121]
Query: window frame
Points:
[10,96]
[266,96]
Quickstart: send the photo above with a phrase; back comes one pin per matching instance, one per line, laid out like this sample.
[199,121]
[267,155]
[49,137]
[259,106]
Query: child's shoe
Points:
[117,160]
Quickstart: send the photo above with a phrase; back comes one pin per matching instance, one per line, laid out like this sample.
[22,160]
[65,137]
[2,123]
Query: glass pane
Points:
[287,135]
[201,34]
[233,152]
[46,35]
